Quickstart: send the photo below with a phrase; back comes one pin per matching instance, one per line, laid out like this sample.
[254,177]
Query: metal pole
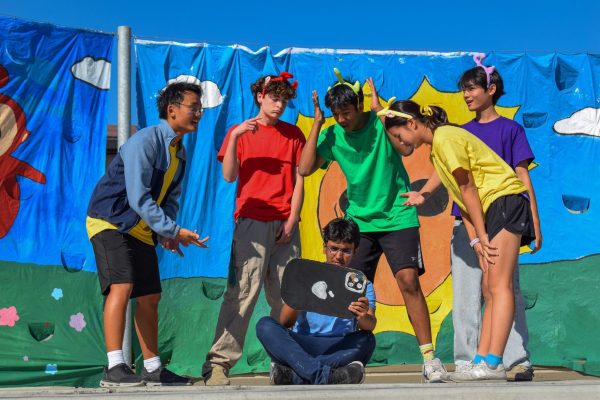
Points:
[123,132]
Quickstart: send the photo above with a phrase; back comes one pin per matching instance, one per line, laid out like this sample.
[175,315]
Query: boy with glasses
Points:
[262,153]
[133,206]
[321,349]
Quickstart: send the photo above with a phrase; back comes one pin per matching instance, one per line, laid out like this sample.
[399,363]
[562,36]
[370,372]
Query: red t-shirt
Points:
[266,178]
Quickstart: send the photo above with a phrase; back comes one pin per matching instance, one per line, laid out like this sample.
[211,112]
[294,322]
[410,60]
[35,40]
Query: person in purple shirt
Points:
[482,87]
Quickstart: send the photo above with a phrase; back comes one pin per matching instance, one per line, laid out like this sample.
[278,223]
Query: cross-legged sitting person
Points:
[321,349]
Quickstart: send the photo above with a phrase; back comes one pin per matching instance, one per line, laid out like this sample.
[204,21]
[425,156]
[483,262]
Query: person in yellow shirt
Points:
[495,211]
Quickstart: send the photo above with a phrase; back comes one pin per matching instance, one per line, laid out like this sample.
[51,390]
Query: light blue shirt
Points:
[314,324]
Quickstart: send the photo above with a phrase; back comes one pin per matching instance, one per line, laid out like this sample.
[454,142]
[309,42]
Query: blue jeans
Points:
[312,357]
[467,302]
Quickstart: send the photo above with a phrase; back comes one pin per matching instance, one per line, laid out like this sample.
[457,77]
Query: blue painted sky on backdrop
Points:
[444,25]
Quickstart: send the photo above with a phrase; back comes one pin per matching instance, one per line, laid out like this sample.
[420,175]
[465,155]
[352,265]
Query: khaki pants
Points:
[256,258]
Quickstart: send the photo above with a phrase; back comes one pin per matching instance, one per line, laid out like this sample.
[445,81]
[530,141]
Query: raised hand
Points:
[319,118]
[375,104]
[249,125]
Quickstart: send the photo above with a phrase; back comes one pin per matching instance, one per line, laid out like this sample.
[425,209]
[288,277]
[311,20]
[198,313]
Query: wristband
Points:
[474,242]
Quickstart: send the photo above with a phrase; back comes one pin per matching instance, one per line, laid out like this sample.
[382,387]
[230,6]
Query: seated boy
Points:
[321,349]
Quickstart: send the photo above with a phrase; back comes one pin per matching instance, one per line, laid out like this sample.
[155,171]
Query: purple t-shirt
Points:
[506,137]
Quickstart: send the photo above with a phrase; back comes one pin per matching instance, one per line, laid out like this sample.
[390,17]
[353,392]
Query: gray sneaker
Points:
[434,371]
[280,374]
[120,376]
[480,372]
[353,373]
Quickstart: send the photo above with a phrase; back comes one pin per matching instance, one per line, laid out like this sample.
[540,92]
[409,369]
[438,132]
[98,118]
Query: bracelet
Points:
[474,242]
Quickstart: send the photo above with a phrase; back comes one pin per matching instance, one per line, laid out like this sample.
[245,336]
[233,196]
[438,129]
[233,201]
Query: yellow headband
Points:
[355,88]
[386,112]
[426,111]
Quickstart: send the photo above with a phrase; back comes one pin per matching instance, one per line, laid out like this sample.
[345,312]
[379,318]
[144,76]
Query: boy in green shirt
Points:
[371,161]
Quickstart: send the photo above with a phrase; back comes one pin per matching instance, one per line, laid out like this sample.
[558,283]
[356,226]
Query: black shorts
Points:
[512,213]
[402,249]
[121,258]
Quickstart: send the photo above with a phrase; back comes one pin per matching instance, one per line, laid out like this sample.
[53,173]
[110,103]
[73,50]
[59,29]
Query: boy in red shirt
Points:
[262,153]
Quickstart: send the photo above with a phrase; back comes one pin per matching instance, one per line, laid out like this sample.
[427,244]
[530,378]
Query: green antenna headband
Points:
[355,87]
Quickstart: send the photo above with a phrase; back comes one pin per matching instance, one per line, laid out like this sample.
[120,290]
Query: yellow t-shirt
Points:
[454,147]
[140,231]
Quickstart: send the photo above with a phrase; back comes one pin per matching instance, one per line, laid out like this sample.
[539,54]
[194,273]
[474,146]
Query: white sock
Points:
[152,364]
[115,358]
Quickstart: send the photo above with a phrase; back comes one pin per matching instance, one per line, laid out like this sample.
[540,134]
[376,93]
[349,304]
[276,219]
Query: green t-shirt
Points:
[375,174]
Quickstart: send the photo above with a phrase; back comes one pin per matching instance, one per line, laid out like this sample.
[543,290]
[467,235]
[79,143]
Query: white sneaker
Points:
[434,371]
[462,367]
[480,372]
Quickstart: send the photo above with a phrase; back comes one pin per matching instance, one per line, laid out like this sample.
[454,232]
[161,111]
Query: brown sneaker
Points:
[520,373]
[217,377]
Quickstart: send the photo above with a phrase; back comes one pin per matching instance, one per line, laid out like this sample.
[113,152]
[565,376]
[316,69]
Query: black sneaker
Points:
[164,377]
[120,375]
[280,375]
[348,374]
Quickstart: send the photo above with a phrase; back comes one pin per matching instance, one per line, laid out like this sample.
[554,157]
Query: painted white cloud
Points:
[583,122]
[211,95]
[93,72]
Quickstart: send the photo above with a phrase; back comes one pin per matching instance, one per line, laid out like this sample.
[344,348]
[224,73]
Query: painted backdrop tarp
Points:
[554,96]
[53,94]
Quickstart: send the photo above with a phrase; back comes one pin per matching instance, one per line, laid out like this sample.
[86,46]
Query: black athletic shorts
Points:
[121,258]
[512,213]
[402,249]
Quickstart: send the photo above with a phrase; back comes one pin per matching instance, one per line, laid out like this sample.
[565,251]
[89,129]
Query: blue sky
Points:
[441,25]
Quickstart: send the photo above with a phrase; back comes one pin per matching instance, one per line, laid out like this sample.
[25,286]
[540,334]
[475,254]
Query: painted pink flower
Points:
[77,322]
[8,316]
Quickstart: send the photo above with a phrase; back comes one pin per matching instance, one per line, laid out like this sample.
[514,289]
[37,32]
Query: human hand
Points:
[485,253]
[413,198]
[249,125]
[375,104]
[187,237]
[172,245]
[537,243]
[286,230]
[360,308]
[319,118]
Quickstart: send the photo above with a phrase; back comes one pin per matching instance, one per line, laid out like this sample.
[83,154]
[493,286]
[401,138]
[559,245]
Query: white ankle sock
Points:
[115,358]
[152,364]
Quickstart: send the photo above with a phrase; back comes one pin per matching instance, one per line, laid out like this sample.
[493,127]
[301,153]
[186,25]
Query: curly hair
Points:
[279,88]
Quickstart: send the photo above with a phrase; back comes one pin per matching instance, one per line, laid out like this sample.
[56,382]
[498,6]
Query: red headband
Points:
[284,76]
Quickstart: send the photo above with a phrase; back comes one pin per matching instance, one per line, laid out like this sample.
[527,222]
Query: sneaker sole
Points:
[108,384]
[155,384]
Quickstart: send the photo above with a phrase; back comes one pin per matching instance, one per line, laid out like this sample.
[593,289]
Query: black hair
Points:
[476,77]
[434,121]
[281,88]
[173,94]
[341,230]
[340,96]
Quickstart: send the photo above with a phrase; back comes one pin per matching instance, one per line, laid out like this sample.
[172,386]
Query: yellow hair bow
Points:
[386,112]
[426,111]
[355,87]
